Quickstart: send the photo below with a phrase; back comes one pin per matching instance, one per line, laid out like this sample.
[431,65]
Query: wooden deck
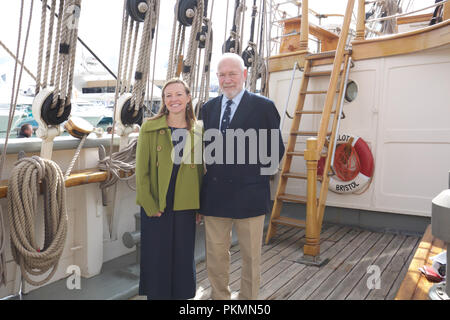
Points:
[415,286]
[350,252]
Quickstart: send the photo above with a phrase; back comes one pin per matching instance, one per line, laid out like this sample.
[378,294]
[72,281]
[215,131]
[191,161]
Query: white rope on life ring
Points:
[366,167]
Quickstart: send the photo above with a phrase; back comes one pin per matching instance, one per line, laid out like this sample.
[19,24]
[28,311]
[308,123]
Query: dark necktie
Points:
[226,117]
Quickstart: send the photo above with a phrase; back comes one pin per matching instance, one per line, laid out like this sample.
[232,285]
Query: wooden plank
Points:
[311,285]
[423,285]
[402,43]
[361,291]
[283,62]
[299,279]
[413,19]
[292,268]
[412,277]
[394,289]
[390,274]
[344,279]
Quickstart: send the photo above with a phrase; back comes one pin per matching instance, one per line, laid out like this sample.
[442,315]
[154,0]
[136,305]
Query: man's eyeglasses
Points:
[229,75]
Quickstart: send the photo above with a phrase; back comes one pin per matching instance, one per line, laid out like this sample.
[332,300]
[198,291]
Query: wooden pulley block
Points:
[128,114]
[78,127]
[248,56]
[137,9]
[49,115]
[201,37]
[186,12]
[229,46]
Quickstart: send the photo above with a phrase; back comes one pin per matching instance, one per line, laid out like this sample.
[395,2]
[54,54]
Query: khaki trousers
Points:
[218,241]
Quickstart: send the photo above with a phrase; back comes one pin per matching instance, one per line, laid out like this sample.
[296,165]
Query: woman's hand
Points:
[158,214]
[198,218]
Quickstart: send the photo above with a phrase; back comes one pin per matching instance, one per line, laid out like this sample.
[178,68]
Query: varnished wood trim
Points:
[75,179]
[286,61]
[408,42]
[446,14]
[415,286]
[414,19]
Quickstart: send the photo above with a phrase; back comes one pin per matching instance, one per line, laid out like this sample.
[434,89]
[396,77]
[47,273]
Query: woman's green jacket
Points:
[154,163]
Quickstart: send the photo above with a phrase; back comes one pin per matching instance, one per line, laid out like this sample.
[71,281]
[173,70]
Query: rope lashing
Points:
[23,191]
[123,161]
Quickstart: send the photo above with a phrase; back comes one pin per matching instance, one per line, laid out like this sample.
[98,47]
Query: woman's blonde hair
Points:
[189,112]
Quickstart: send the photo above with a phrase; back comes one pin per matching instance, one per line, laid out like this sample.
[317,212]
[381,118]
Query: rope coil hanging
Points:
[23,191]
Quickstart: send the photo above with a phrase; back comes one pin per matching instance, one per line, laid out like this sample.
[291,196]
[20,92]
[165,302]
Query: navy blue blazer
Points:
[239,190]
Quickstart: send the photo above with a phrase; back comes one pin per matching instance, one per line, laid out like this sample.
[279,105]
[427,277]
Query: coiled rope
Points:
[23,191]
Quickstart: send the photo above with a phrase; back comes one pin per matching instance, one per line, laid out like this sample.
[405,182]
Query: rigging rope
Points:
[196,66]
[14,97]
[64,49]
[23,191]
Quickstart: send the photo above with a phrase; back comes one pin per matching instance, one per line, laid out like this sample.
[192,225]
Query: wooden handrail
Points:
[78,178]
[323,129]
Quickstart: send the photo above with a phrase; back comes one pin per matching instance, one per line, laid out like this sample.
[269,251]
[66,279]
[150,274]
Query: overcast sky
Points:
[100,27]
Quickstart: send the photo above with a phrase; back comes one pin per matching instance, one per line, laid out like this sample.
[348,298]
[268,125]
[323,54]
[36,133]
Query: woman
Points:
[168,187]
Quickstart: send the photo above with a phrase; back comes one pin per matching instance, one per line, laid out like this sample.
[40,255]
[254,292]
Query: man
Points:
[26,130]
[236,193]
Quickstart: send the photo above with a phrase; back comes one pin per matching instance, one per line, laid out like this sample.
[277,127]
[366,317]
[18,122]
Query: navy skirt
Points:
[167,256]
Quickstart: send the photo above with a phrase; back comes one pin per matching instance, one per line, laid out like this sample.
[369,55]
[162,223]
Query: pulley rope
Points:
[127,55]
[63,40]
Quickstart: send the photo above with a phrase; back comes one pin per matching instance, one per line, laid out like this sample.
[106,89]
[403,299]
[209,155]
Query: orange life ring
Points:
[359,177]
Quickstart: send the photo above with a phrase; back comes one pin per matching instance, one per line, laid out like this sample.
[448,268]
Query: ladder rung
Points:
[317,74]
[320,73]
[298,175]
[290,222]
[311,112]
[324,55]
[302,154]
[307,133]
[292,198]
[317,92]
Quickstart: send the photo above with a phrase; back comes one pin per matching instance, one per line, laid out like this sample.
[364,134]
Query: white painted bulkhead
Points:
[88,243]
[402,111]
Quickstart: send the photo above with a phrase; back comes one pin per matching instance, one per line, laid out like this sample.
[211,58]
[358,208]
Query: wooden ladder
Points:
[315,144]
